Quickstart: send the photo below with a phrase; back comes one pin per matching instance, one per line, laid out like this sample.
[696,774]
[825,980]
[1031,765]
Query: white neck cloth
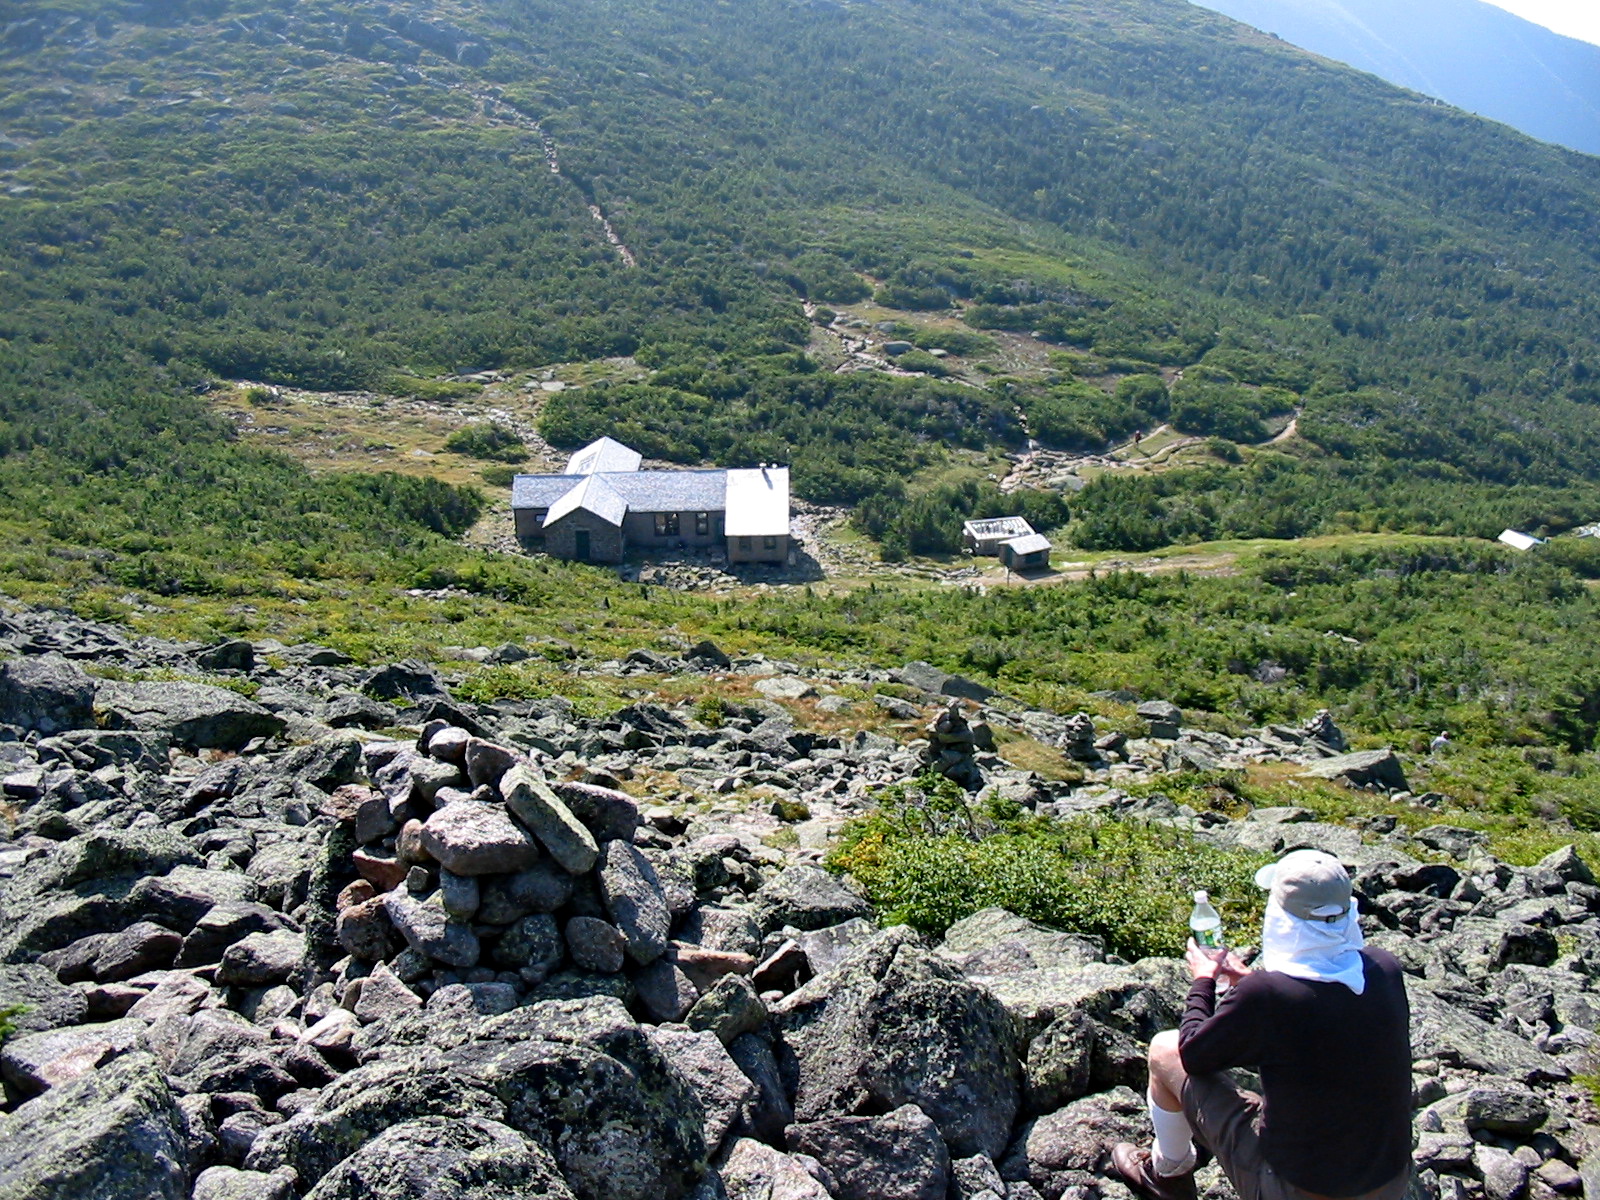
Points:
[1323,951]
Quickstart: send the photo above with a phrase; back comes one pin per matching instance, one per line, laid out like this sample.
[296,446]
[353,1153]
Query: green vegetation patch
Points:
[927,858]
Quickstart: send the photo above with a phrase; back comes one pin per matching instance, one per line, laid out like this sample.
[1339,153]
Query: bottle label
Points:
[1208,939]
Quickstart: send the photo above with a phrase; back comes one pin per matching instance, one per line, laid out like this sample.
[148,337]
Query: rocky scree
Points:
[267,952]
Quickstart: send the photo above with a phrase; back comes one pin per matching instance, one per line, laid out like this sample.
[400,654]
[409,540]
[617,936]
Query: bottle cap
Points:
[1201,898]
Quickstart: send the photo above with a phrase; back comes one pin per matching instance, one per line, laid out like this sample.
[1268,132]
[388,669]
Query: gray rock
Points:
[633,896]
[718,928]
[113,1133]
[596,945]
[1568,866]
[1505,1177]
[929,678]
[993,941]
[428,929]
[46,1003]
[35,1062]
[566,838]
[460,895]
[974,1176]
[488,761]
[445,1158]
[1379,768]
[1059,1063]
[533,946]
[361,1105]
[893,1026]
[350,710]
[46,693]
[727,1096]
[758,1172]
[829,946]
[1072,1146]
[1454,1037]
[221,926]
[773,1112]
[409,681]
[1504,1110]
[383,996]
[230,1183]
[583,1078]
[142,946]
[263,959]
[543,887]
[192,714]
[898,1156]
[665,992]
[806,898]
[606,812]
[729,1010]
[478,839]
[326,763]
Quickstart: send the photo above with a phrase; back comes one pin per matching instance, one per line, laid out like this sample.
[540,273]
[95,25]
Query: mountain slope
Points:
[331,195]
[1471,54]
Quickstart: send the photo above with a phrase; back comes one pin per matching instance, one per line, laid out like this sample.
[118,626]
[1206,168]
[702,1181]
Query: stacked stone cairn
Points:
[953,744]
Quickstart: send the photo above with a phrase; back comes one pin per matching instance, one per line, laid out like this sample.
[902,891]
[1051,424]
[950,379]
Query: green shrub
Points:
[436,390]
[921,360]
[487,440]
[498,475]
[8,1015]
[928,858]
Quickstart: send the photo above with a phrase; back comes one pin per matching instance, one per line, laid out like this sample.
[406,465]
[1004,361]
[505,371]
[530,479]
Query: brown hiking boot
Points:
[1134,1164]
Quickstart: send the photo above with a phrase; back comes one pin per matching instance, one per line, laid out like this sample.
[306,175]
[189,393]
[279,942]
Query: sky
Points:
[1574,18]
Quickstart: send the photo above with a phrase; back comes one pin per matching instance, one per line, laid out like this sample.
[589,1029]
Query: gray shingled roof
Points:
[594,495]
[540,491]
[672,491]
[604,456]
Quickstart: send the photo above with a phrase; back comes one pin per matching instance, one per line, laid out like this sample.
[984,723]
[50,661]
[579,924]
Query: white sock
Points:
[1174,1140]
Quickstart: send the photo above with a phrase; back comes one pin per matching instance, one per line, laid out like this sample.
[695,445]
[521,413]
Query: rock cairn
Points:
[266,950]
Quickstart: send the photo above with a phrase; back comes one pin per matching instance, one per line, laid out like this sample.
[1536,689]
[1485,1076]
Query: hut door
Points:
[580,545]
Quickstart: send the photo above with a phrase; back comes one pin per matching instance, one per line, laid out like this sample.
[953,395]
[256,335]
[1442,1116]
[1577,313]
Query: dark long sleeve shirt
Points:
[1335,1070]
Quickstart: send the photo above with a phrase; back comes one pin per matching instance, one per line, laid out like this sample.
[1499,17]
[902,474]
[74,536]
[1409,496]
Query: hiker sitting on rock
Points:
[1327,1025]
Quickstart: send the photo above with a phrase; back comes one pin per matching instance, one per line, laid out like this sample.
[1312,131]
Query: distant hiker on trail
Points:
[1327,1024]
[1439,744]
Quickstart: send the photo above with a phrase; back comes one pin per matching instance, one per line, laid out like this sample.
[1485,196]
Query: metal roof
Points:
[758,502]
[603,457]
[593,495]
[1518,540]
[672,491]
[997,527]
[540,491]
[1030,544]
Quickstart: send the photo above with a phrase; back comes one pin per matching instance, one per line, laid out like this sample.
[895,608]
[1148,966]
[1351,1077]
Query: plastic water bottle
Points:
[1205,922]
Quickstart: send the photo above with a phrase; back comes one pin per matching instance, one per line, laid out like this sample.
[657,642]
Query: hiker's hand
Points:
[1234,967]
[1203,963]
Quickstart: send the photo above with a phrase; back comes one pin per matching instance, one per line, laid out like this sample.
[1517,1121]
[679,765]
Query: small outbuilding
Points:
[1519,541]
[986,536]
[1030,552]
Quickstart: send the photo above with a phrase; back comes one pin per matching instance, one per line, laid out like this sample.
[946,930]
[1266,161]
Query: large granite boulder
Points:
[46,693]
[445,1158]
[362,1105]
[196,715]
[581,1077]
[806,898]
[1364,768]
[112,1134]
[896,1156]
[894,1025]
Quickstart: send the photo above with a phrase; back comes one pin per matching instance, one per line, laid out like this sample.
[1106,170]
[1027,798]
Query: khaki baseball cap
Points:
[1308,884]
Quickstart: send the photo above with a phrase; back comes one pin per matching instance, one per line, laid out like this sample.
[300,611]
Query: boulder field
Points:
[330,932]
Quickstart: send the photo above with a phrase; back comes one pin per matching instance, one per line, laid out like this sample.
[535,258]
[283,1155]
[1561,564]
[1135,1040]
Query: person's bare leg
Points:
[1174,1149]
